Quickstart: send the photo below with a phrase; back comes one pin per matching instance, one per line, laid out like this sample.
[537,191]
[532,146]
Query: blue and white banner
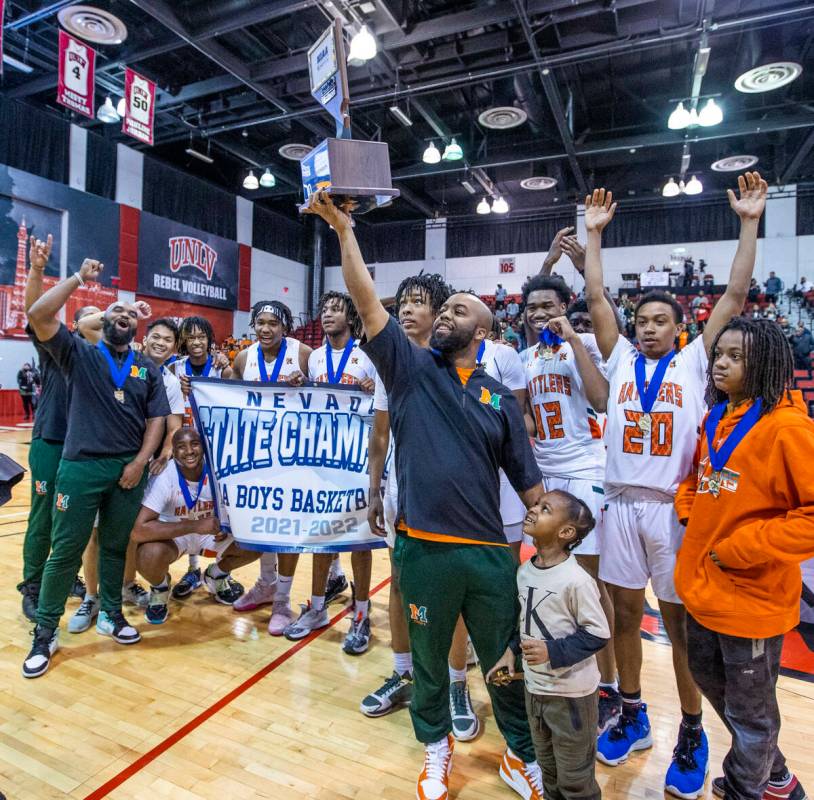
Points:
[290,463]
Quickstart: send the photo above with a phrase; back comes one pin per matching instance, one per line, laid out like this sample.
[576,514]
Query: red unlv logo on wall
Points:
[188,252]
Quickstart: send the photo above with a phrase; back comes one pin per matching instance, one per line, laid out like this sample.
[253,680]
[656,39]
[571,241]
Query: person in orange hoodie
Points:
[749,513]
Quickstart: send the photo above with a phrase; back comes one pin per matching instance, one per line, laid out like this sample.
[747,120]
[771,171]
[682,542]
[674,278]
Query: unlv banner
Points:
[177,262]
[290,463]
[139,106]
[76,80]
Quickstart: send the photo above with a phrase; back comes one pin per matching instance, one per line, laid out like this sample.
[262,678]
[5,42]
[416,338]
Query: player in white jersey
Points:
[654,410]
[198,356]
[177,518]
[339,361]
[567,391]
[275,357]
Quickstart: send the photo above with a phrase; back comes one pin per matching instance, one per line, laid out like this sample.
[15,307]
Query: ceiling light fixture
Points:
[734,163]
[400,116]
[107,113]
[484,207]
[432,155]
[711,114]
[694,186]
[680,118]
[362,47]
[267,180]
[20,65]
[500,206]
[469,187]
[207,159]
[121,107]
[453,151]
[768,77]
[250,182]
[670,189]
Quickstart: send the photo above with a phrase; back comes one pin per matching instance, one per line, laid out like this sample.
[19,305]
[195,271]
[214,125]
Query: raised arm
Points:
[555,251]
[357,278]
[599,211]
[43,313]
[38,254]
[596,384]
[749,207]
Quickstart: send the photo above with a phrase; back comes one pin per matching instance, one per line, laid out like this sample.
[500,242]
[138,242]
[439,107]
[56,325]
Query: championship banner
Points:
[181,263]
[139,106]
[76,77]
[290,464]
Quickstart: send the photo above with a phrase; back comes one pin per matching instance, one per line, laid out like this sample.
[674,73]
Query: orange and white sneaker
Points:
[433,782]
[525,779]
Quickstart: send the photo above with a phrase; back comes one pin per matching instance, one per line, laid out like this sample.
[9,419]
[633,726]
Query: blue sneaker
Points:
[158,606]
[688,772]
[188,584]
[627,735]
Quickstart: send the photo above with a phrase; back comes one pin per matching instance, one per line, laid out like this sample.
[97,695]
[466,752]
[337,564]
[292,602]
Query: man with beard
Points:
[116,416]
[455,559]
[275,356]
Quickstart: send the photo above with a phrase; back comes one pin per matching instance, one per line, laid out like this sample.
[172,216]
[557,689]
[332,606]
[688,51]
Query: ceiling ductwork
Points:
[93,24]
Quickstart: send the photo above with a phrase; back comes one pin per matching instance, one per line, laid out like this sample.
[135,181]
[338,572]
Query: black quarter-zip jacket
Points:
[451,440]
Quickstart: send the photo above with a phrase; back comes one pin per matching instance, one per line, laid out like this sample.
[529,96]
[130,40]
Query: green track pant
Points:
[82,489]
[439,582]
[43,461]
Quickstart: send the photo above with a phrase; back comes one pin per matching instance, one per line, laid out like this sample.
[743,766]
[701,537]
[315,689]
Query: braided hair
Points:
[281,311]
[188,325]
[579,517]
[351,314]
[769,365]
[436,289]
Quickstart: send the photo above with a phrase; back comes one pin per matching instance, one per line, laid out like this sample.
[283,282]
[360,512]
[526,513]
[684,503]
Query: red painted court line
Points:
[173,739]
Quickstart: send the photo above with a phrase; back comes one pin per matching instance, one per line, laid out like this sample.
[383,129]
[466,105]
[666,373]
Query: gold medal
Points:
[645,423]
[119,395]
[548,353]
[715,484]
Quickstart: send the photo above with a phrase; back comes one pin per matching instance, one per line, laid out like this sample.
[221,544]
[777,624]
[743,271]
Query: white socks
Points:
[362,607]
[317,603]
[194,561]
[336,569]
[403,662]
[457,674]
[268,567]
[283,593]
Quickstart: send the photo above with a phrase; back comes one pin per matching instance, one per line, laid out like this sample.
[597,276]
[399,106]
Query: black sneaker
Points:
[46,643]
[610,707]
[188,584]
[30,590]
[79,589]
[225,589]
[335,587]
[785,787]
[158,606]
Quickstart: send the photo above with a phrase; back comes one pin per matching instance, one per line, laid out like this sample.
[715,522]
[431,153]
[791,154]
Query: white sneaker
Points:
[45,643]
[83,617]
[281,617]
[525,778]
[309,620]
[260,594]
[433,782]
[136,595]
[465,722]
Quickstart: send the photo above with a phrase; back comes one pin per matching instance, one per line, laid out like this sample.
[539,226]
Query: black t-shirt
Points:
[99,426]
[451,440]
[51,420]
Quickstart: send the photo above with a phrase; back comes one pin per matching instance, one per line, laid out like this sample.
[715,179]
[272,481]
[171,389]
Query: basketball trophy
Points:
[356,173]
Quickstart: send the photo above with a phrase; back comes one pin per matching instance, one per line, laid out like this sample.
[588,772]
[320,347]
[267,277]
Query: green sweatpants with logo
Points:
[82,489]
[43,462]
[439,582]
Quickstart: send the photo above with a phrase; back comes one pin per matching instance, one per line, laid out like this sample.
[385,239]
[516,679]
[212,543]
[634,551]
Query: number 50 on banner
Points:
[139,98]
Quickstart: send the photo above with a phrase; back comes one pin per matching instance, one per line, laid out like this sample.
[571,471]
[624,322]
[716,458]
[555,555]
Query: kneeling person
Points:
[176,519]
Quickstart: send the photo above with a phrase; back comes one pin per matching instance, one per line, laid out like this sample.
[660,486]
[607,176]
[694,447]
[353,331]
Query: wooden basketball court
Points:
[209,706]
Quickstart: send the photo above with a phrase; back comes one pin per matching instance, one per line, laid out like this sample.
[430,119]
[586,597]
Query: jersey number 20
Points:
[660,435]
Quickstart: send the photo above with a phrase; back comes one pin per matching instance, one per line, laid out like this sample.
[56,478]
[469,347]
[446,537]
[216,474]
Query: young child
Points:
[562,626]
[749,512]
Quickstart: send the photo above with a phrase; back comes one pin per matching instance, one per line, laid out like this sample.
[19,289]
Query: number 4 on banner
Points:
[76,80]
[139,97]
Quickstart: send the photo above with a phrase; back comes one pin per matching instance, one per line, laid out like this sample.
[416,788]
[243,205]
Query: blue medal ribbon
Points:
[336,376]
[549,338]
[718,458]
[481,353]
[278,364]
[207,368]
[649,395]
[182,482]
[118,374]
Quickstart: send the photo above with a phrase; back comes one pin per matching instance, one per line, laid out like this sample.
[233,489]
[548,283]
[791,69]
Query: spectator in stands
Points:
[513,310]
[803,288]
[500,294]
[802,343]
[773,288]
[770,312]
[28,379]
[756,312]
[701,316]
[692,330]
[510,336]
[700,300]
[783,322]
[754,291]
[709,280]
[689,272]
[501,315]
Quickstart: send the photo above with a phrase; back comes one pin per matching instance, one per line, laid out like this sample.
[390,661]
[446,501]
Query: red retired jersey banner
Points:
[139,99]
[76,81]
[2,11]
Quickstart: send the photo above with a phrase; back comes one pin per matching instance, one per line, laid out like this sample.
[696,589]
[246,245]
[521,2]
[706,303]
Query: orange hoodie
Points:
[761,526]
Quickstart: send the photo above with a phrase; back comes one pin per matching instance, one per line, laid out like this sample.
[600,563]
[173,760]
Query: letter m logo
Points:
[41,487]
[489,399]
[62,502]
[418,614]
